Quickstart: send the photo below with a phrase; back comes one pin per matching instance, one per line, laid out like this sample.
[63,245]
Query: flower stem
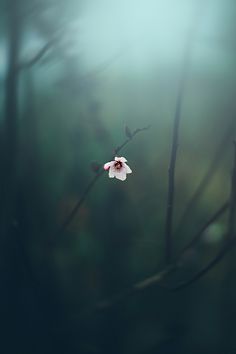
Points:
[87,190]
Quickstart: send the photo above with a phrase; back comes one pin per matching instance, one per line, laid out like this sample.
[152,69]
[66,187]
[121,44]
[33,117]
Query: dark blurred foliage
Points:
[65,104]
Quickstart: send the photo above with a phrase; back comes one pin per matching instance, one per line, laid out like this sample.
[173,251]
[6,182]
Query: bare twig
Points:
[28,64]
[89,187]
[78,205]
[177,118]
[157,278]
[139,130]
[210,221]
[217,259]
[208,176]
[171,185]
[230,240]
[137,287]
[232,202]
[171,171]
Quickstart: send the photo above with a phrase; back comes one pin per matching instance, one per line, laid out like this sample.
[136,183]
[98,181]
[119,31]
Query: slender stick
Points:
[89,187]
[175,136]
[171,186]
[208,176]
[157,278]
[38,56]
[210,221]
[232,202]
[230,239]
[217,259]
[74,211]
[137,287]
[171,171]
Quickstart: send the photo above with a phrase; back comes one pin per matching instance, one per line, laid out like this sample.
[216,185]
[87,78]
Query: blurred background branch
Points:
[187,58]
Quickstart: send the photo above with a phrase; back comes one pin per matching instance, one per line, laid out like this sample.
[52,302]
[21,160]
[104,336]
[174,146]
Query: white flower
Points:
[118,168]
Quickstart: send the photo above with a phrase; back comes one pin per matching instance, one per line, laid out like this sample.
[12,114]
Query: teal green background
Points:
[113,64]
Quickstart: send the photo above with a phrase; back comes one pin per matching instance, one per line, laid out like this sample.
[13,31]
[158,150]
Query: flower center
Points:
[118,165]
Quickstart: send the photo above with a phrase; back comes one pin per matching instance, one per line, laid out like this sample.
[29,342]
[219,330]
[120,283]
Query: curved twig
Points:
[171,172]
[210,221]
[232,201]
[89,187]
[158,278]
[230,239]
[28,64]
[217,259]
[177,118]
[207,177]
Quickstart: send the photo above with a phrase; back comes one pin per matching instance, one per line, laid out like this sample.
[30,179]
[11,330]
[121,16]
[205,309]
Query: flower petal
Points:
[112,172]
[127,168]
[107,165]
[122,159]
[121,176]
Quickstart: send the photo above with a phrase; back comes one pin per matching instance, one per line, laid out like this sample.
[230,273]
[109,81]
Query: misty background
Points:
[73,76]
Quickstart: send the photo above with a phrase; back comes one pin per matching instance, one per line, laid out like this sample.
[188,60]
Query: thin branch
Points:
[232,203]
[74,211]
[171,184]
[137,287]
[126,293]
[208,176]
[210,221]
[230,240]
[217,259]
[139,130]
[175,137]
[28,64]
[157,278]
[88,189]
[171,170]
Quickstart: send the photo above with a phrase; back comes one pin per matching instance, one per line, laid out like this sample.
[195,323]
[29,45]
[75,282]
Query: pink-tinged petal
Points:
[121,176]
[127,168]
[122,159]
[107,165]
[112,172]
[122,169]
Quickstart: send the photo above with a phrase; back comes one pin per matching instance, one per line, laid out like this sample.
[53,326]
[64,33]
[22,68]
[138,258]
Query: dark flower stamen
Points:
[118,165]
